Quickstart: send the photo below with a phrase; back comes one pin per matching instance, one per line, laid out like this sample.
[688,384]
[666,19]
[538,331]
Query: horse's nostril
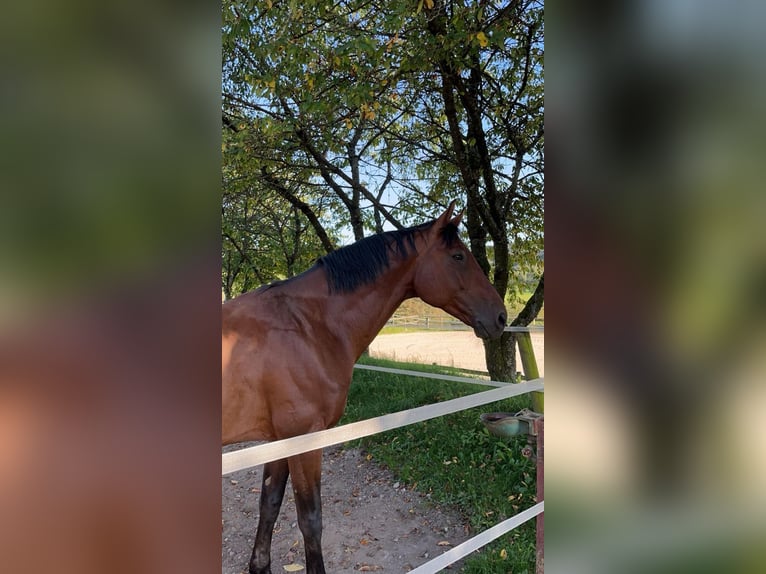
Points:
[501,319]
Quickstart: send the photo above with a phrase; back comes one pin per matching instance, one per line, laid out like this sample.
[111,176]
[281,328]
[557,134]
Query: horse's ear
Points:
[445,217]
[457,219]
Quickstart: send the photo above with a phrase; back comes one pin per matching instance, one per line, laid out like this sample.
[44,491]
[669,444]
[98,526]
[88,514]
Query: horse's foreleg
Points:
[306,470]
[273,490]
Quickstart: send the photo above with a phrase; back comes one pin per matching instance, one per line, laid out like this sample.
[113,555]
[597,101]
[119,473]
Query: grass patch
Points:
[452,458]
[396,329]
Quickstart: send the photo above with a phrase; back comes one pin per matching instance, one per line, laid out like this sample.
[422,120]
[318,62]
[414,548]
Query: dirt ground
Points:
[372,523]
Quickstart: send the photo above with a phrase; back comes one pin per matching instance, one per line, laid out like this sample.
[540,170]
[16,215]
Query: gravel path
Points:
[372,523]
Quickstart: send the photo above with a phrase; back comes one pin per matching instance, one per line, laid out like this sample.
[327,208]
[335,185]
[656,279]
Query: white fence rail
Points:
[527,329]
[263,453]
[452,378]
[478,541]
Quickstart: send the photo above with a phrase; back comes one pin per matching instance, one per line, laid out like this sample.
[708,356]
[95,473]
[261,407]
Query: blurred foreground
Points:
[656,307]
[109,288]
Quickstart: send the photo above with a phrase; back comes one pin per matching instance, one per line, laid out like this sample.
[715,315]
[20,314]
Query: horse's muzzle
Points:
[491,329]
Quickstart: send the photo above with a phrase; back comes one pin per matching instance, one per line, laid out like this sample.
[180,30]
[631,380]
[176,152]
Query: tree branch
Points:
[532,307]
[302,206]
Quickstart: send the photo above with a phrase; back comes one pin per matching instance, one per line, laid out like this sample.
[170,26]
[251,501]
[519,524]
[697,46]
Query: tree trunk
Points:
[501,358]
[355,218]
[501,353]
[477,236]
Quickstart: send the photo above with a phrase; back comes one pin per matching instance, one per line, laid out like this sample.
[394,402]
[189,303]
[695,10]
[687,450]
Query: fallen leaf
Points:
[444,543]
[292,567]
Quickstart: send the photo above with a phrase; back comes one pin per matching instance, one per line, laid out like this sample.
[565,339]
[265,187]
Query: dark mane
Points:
[362,262]
[450,236]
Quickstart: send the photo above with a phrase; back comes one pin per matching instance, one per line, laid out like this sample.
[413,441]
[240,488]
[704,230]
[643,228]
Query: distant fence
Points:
[444,323]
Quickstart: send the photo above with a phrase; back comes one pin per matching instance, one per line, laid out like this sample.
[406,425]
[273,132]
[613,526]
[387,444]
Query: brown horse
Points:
[289,350]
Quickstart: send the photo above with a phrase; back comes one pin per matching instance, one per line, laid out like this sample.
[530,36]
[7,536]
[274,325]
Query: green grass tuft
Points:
[452,458]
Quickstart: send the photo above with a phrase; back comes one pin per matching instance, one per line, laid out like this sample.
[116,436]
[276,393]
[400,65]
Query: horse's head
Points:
[448,276]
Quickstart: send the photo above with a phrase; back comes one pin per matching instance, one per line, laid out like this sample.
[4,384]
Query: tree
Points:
[381,112]
[264,237]
[489,62]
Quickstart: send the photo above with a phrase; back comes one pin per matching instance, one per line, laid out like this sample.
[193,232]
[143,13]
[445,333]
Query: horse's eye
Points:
[458,256]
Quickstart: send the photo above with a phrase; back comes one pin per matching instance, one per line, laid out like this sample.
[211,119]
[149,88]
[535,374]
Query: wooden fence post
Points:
[540,535]
[529,365]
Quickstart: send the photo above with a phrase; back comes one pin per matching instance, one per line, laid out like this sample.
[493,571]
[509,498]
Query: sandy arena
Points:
[460,349]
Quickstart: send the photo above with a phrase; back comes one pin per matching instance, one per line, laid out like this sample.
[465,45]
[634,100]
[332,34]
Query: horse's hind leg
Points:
[273,490]
[306,470]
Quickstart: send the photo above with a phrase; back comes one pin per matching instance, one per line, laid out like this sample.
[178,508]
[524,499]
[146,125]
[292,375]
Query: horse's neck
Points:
[364,312]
